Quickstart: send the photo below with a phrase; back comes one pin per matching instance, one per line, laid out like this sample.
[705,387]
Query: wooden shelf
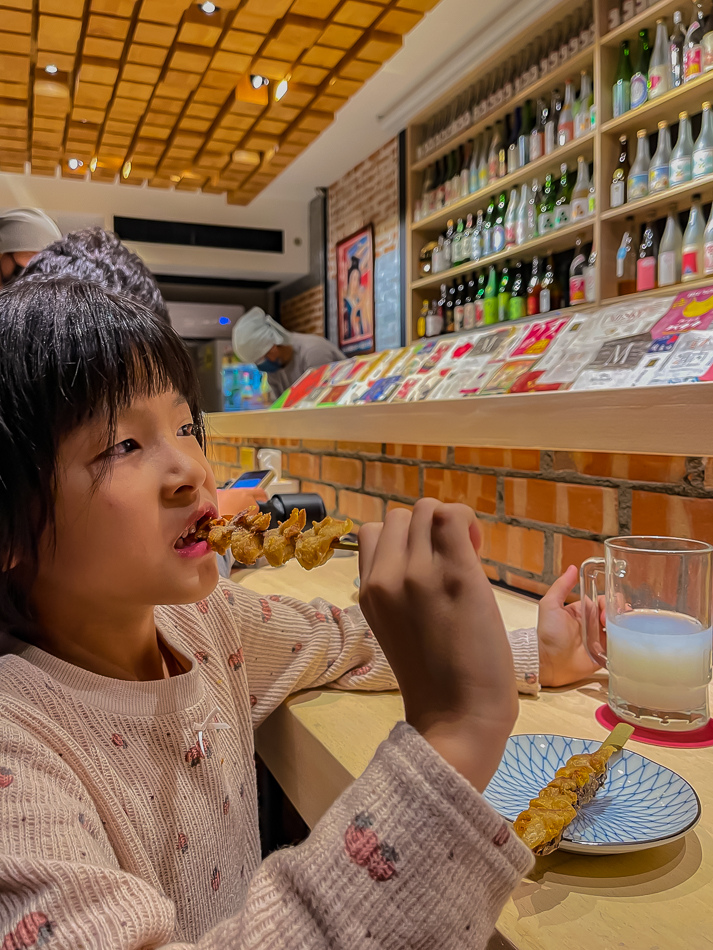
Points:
[548,163]
[570,69]
[656,206]
[688,98]
[643,21]
[555,241]
[677,420]
[671,290]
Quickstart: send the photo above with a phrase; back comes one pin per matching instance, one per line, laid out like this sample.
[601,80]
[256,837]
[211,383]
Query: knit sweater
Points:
[128,810]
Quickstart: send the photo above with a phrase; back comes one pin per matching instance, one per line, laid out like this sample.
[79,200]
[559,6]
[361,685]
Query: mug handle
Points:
[592,636]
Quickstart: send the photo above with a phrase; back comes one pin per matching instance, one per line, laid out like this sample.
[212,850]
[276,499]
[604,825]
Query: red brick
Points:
[326,492]
[672,515]
[526,460]
[522,548]
[492,571]
[342,471]
[390,505]
[303,466]
[574,551]
[587,507]
[319,445]
[392,479]
[367,448]
[638,468]
[360,508]
[478,491]
[222,452]
[429,453]
[526,584]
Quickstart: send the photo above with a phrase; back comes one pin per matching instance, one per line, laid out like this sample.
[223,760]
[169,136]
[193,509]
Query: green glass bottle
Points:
[621,90]
[480,299]
[488,228]
[498,233]
[563,201]
[517,305]
[490,298]
[546,208]
[504,291]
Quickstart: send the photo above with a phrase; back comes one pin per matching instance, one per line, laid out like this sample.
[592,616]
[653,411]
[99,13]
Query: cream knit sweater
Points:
[128,817]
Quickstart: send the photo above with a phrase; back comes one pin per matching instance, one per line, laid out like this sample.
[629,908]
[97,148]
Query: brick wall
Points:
[539,511]
[370,193]
[305,312]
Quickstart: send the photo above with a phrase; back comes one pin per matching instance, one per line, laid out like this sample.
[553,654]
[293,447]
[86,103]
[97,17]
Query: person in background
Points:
[280,353]
[23,232]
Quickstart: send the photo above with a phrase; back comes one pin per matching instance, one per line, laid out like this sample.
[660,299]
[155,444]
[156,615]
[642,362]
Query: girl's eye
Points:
[123,448]
[190,428]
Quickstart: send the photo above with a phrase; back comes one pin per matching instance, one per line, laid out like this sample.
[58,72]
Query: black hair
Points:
[69,352]
[98,255]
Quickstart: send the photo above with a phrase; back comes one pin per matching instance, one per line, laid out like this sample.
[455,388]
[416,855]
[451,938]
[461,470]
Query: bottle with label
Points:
[483,169]
[517,307]
[565,128]
[626,261]
[563,201]
[521,223]
[449,316]
[467,245]
[490,298]
[580,194]
[437,256]
[552,123]
[707,43]
[457,256]
[447,246]
[476,238]
[533,211]
[647,259]
[693,241]
[708,245]
[660,79]
[621,90]
[670,251]
[583,123]
[590,276]
[473,183]
[469,303]
[459,304]
[692,49]
[640,71]
[513,155]
[577,276]
[681,164]
[511,219]
[480,299]
[488,227]
[493,159]
[617,195]
[659,168]
[592,199]
[703,149]
[676,43]
[546,210]
[550,291]
[422,318]
[497,235]
[523,139]
[537,136]
[533,289]
[637,185]
[504,291]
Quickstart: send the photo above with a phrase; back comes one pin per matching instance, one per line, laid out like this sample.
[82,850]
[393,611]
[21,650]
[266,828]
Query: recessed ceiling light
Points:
[281,89]
[93,165]
[126,170]
[208,7]
[224,321]
[75,163]
[256,81]
[51,69]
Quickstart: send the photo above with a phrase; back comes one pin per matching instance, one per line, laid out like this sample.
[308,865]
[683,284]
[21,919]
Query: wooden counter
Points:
[660,899]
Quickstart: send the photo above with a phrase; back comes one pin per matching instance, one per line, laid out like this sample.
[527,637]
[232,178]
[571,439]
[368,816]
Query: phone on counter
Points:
[258,479]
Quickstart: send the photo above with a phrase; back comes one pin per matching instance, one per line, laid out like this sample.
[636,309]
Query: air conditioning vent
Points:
[200,235]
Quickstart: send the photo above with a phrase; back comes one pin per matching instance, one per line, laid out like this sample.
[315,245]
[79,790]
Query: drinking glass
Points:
[657,643]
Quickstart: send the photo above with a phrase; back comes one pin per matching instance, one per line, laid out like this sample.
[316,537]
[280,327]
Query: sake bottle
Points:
[703,149]
[563,202]
[681,165]
[483,161]
[647,259]
[708,245]
[473,181]
[490,298]
[546,211]
[511,219]
[497,235]
[565,127]
[675,50]
[583,124]
[659,168]
[580,194]
[670,251]
[693,238]
[660,79]
[521,223]
[577,291]
[504,292]
[487,234]
[537,135]
[533,210]
[617,194]
[640,74]
[476,238]
[621,90]
[637,185]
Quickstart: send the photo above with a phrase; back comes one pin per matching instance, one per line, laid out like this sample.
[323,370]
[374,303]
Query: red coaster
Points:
[696,739]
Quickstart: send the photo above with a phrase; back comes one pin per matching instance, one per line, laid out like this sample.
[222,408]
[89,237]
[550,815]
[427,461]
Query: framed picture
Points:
[355,292]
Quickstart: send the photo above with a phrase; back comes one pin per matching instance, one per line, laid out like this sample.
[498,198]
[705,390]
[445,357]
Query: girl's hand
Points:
[430,605]
[563,658]
[233,500]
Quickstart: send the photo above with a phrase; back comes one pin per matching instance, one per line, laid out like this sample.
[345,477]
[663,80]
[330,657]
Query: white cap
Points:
[254,335]
[26,229]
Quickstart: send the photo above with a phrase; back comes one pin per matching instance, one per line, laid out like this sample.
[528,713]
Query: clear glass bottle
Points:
[487,233]
[580,194]
[681,164]
[483,160]
[626,261]
[533,289]
[692,53]
[552,123]
[617,194]
[583,124]
[533,210]
[521,223]
[473,181]
[497,235]
[637,185]
[590,276]
[660,79]
[670,250]
[708,245]
[467,239]
[476,238]
[703,149]
[577,276]
[660,162]
[693,240]
[448,245]
[675,50]
[457,244]
[511,219]
[707,44]
[565,127]
[537,136]
[647,259]
[640,71]
[496,144]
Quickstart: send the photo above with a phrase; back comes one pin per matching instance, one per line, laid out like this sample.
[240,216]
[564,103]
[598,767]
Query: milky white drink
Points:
[659,667]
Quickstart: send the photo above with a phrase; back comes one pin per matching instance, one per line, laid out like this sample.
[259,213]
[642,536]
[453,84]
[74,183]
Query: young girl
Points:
[128,814]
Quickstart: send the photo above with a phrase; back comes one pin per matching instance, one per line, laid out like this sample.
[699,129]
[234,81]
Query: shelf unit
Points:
[600,147]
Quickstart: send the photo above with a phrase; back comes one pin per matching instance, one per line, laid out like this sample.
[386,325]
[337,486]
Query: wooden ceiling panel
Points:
[159,91]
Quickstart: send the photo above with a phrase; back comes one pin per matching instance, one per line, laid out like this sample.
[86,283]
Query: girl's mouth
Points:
[191,544]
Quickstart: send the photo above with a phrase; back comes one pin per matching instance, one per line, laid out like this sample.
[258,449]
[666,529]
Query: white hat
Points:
[26,229]
[254,335]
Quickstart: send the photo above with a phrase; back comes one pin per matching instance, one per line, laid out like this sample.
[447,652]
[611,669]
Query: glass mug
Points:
[658,643]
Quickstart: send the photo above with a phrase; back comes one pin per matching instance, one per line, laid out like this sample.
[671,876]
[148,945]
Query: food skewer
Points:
[575,784]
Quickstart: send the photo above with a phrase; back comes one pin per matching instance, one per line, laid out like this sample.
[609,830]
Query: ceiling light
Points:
[126,170]
[257,81]
[93,165]
[75,163]
[208,7]
[51,69]
[281,90]
[224,321]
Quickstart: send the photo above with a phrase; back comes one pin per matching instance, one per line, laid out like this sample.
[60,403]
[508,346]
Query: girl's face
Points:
[116,536]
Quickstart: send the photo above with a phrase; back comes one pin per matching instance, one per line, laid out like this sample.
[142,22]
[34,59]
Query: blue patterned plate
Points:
[641,805]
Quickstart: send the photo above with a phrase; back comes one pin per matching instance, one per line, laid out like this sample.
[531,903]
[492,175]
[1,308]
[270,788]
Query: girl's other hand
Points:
[233,500]
[430,605]
[563,657]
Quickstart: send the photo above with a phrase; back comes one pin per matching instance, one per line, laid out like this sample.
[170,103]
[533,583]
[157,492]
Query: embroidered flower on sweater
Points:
[266,610]
[296,648]
[202,605]
[275,597]
[182,843]
[318,615]
[34,930]
[336,613]
[195,754]
[530,679]
[215,879]
[228,594]
[361,671]
[236,659]
[253,700]
[119,741]
[6,776]
[364,849]
[202,657]
[502,837]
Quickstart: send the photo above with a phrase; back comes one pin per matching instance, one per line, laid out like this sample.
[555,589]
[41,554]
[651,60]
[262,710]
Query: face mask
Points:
[269,366]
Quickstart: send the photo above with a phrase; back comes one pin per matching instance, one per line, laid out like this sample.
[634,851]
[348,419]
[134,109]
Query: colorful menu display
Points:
[654,342]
